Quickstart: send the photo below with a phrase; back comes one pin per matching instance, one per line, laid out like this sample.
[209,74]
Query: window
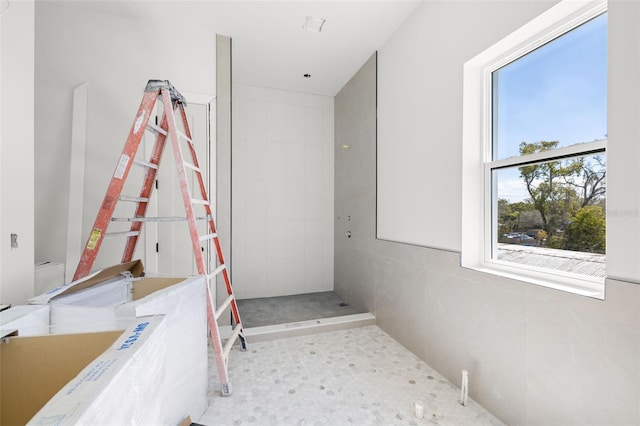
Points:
[535,135]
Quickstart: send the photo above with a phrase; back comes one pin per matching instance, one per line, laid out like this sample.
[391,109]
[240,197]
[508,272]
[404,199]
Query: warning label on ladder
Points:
[93,239]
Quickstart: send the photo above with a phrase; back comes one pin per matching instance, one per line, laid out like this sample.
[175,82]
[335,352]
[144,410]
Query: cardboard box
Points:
[98,303]
[34,368]
[123,385]
[135,268]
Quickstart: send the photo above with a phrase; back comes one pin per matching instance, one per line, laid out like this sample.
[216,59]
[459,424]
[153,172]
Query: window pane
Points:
[556,93]
[552,215]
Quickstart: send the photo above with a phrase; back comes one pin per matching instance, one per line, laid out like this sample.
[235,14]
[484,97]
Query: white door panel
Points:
[168,244]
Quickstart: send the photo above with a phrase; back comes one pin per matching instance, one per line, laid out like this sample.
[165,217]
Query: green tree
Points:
[507,217]
[510,215]
[590,181]
[567,200]
[547,184]
[587,230]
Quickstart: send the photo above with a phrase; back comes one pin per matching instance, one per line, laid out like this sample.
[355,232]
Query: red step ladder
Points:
[173,105]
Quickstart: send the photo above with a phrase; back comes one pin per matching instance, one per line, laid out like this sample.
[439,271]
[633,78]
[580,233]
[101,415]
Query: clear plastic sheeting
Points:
[28,320]
[186,375]
[183,301]
[91,309]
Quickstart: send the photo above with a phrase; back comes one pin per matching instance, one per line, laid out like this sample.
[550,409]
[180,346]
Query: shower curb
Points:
[303,328]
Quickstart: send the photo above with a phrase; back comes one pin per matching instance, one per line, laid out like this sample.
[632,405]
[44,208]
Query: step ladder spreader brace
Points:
[173,105]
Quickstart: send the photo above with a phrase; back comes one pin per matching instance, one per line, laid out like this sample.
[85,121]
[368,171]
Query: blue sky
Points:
[557,92]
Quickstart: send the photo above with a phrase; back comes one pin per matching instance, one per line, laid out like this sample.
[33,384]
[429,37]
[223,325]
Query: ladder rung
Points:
[227,346]
[191,166]
[224,306]
[143,163]
[216,271]
[128,219]
[121,234]
[155,129]
[156,219]
[185,137]
[133,199]
[203,202]
[208,237]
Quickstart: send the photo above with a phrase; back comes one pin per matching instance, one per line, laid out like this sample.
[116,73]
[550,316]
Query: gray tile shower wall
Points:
[536,356]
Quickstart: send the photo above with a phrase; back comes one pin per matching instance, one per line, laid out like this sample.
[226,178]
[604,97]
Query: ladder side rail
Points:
[203,192]
[195,239]
[146,191]
[218,349]
[114,189]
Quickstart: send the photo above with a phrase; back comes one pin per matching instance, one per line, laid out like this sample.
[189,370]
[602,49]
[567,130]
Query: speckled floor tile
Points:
[359,376]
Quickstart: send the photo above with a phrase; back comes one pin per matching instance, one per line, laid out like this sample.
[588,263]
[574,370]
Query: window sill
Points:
[571,283]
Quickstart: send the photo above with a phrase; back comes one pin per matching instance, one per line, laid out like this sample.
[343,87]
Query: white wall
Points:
[80,42]
[16,152]
[282,192]
[623,146]
[419,128]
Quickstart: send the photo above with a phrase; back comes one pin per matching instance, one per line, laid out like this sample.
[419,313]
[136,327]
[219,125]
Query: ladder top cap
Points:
[155,85]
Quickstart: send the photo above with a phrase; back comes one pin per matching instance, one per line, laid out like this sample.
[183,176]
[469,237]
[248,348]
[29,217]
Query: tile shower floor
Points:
[292,308]
[359,376]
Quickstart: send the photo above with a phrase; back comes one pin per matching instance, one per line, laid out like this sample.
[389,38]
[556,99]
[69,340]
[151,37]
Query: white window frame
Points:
[477,189]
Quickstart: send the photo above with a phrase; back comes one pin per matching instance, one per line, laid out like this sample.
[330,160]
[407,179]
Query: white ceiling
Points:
[269,46]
